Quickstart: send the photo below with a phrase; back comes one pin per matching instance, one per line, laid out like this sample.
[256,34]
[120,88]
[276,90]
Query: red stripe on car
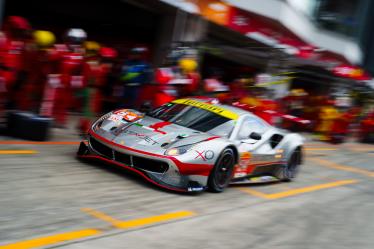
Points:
[211,138]
[159,125]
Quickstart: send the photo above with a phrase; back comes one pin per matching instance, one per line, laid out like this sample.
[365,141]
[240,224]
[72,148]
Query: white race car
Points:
[194,144]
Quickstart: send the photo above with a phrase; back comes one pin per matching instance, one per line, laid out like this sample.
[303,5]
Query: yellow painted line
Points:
[360,149]
[254,192]
[333,165]
[17,152]
[138,222]
[319,149]
[310,189]
[53,239]
[297,191]
[102,216]
[155,219]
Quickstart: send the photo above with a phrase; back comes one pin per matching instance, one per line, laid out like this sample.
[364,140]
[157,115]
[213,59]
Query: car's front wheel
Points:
[221,174]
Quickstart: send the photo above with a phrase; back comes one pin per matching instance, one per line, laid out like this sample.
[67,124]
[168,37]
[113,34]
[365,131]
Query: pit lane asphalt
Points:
[49,193]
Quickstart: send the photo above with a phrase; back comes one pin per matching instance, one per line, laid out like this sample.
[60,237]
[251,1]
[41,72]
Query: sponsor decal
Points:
[200,154]
[115,118]
[190,189]
[141,136]
[245,157]
[262,179]
[239,174]
[127,115]
[209,155]
[150,128]
[209,107]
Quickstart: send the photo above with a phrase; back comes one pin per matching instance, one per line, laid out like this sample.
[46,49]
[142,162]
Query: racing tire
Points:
[288,172]
[221,174]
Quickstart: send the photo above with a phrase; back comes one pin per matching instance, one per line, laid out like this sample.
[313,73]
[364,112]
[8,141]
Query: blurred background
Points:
[311,59]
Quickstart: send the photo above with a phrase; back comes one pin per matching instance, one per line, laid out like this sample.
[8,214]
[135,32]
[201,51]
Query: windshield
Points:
[194,118]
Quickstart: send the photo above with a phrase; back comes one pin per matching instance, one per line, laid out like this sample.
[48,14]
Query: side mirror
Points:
[255,136]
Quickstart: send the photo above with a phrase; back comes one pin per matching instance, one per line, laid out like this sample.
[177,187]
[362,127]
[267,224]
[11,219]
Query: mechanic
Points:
[43,65]
[13,60]
[91,90]
[97,67]
[136,72]
[72,78]
[108,58]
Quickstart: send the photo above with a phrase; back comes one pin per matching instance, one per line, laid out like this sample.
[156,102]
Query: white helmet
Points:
[76,36]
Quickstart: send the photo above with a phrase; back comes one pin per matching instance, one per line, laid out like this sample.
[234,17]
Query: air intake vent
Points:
[150,165]
[101,148]
[122,158]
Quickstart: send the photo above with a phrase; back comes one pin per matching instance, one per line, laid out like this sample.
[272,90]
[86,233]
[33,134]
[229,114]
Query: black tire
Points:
[221,174]
[288,172]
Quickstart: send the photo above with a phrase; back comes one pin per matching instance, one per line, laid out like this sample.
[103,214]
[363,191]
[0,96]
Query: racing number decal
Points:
[126,115]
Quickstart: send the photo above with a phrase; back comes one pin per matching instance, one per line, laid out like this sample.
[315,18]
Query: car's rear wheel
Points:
[221,174]
[288,172]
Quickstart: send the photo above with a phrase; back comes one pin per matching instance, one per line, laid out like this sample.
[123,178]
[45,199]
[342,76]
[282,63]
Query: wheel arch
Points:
[301,149]
[292,142]
[236,152]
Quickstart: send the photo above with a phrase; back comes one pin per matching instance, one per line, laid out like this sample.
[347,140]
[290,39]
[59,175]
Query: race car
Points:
[194,144]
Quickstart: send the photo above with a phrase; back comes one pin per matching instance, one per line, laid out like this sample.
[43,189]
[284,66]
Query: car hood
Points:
[149,134]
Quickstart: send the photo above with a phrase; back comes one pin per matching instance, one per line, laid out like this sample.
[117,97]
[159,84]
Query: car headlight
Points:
[176,151]
[96,125]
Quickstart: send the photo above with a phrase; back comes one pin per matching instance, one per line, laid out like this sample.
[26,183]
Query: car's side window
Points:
[249,125]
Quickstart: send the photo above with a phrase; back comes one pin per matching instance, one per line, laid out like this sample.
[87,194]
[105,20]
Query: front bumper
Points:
[160,172]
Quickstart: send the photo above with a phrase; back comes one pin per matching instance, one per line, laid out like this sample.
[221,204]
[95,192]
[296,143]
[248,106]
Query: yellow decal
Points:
[209,107]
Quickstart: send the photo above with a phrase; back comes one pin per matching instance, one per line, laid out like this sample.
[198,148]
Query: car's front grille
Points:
[150,165]
[101,148]
[142,163]
[122,158]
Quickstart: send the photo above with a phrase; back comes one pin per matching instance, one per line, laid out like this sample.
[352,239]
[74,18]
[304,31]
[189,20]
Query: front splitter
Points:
[84,153]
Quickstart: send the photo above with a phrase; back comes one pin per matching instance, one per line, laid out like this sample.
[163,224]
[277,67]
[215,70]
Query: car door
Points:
[255,151]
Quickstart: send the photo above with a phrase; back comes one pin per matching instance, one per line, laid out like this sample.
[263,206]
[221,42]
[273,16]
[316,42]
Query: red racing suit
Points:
[13,70]
[95,77]
[70,81]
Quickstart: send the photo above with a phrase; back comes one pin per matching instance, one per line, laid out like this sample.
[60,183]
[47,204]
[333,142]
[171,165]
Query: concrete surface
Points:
[43,194]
